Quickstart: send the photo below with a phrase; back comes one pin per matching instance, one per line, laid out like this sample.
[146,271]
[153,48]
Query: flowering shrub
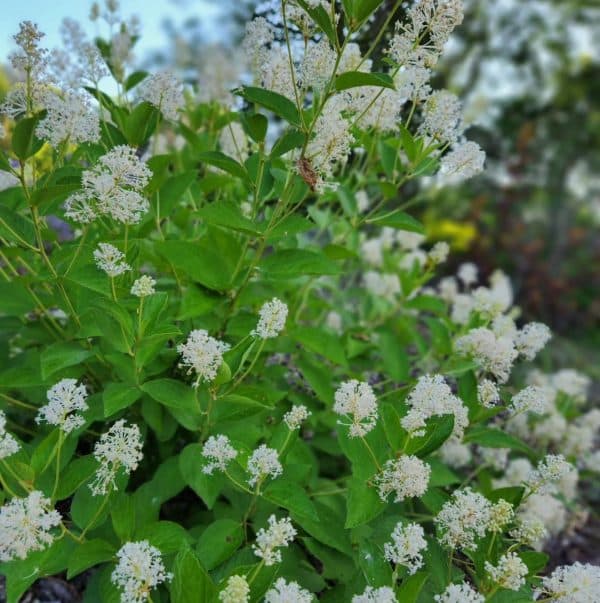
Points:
[230,373]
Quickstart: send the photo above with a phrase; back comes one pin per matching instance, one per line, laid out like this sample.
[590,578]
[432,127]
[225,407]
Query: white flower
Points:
[487,393]
[572,383]
[8,444]
[442,117]
[550,470]
[165,92]
[279,533]
[362,201]
[234,142]
[430,397]
[509,573]
[529,531]
[468,273]
[409,241]
[383,594]
[220,452]
[318,64]
[405,548]
[459,593]
[455,453]
[406,476]
[272,318]
[143,286]
[69,118]
[334,321]
[386,286]
[531,339]
[111,260]
[236,590]
[465,160]
[356,400]
[545,509]
[496,458]
[112,187]
[140,569]
[119,447]
[296,416]
[287,592]
[263,462]
[463,518]
[501,514]
[531,399]
[65,398]
[25,525]
[495,354]
[577,583]
[202,354]
[438,254]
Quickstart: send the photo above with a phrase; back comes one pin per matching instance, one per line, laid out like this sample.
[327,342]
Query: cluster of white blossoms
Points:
[143,286]
[464,161]
[25,525]
[296,416]
[69,119]
[531,339]
[237,590]
[408,542]
[550,470]
[406,476]
[462,519]
[383,594]
[356,401]
[272,317]
[530,399]
[219,451]
[112,187]
[8,443]
[487,393]
[120,447]
[385,286]
[577,583]
[111,260]
[431,397]
[287,592]
[165,92]
[202,354]
[509,572]
[65,400]
[279,534]
[234,142]
[262,463]
[459,593]
[140,570]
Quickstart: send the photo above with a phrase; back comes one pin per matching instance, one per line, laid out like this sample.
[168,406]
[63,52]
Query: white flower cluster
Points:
[25,525]
[263,462]
[431,397]
[487,393]
[577,583]
[111,260]
[202,354]
[140,569]
[459,593]
[113,188]
[69,119]
[237,590]
[531,339]
[272,318]
[143,286]
[356,400]
[509,573]
[287,592]
[279,534]
[408,542]
[165,92]
[406,476]
[383,594]
[220,452]
[296,416]
[65,399]
[234,142]
[120,447]
[8,444]
[463,518]
[551,469]
[531,399]
[465,160]
[386,286]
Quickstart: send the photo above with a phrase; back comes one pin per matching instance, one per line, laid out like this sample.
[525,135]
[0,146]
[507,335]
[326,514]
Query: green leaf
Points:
[228,215]
[291,496]
[398,220]
[171,393]
[362,9]
[534,560]
[85,509]
[134,79]
[277,103]
[321,342]
[256,125]
[166,536]
[207,487]
[117,396]
[355,79]
[291,139]
[24,141]
[412,587]
[89,554]
[363,503]
[393,356]
[225,163]
[490,437]
[141,123]
[191,583]
[234,406]
[219,541]
[15,227]
[375,567]
[437,431]
[321,17]
[75,476]
[291,263]
[61,355]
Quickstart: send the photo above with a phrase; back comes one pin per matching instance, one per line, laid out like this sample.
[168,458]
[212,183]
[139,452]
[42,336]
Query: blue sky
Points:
[48,14]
